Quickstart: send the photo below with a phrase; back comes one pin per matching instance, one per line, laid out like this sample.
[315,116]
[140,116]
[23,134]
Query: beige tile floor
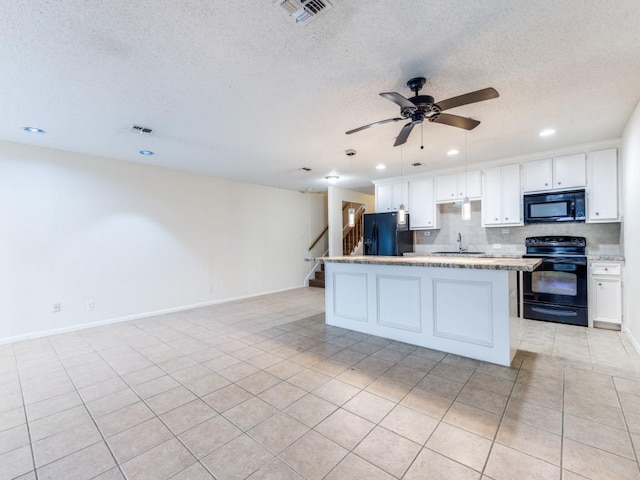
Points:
[262,389]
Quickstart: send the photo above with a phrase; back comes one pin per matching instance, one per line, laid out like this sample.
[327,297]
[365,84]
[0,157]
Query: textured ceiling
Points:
[237,89]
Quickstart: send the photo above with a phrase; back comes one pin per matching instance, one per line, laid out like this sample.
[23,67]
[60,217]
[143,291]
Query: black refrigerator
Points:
[383,235]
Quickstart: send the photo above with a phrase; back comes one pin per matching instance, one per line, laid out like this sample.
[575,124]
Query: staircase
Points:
[351,240]
[352,236]
[318,281]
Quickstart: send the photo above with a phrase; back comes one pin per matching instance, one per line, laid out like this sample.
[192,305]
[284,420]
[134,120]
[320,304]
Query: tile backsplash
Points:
[602,238]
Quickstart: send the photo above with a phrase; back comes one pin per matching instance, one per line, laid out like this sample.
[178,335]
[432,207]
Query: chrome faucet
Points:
[459,240]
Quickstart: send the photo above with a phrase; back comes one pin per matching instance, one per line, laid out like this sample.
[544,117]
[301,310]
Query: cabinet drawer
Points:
[600,268]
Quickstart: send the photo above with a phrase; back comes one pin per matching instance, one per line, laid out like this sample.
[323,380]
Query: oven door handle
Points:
[559,313]
[563,261]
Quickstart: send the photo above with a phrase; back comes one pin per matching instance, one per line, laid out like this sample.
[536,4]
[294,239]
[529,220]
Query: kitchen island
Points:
[458,304]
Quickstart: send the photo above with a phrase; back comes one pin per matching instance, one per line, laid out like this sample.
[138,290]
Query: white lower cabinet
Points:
[424,211]
[502,198]
[605,295]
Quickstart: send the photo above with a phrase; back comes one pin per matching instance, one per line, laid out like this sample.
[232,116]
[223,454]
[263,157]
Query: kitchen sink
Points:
[458,253]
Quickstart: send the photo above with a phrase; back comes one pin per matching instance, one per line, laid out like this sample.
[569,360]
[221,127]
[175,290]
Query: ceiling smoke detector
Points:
[417,164]
[350,153]
[141,130]
[304,11]
[306,169]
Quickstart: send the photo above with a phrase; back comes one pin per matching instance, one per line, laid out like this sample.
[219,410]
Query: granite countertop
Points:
[481,262]
[590,256]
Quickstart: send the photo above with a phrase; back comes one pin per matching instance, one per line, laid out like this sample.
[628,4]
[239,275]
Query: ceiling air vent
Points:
[304,11]
[141,130]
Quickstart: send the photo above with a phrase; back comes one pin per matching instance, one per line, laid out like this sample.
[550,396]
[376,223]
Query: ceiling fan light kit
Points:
[424,107]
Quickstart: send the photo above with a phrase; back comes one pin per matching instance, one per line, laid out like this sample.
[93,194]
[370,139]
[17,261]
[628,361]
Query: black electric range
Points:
[557,290]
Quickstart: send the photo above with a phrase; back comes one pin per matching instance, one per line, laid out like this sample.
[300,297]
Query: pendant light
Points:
[351,212]
[351,222]
[466,204]
[402,215]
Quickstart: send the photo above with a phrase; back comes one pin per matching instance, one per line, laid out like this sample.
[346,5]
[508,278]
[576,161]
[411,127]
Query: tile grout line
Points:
[24,410]
[93,420]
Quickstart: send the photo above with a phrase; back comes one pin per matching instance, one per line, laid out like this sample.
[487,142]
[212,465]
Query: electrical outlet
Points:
[497,246]
[90,305]
[427,234]
[56,307]
[504,231]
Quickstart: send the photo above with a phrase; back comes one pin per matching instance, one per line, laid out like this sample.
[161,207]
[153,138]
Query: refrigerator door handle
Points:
[375,240]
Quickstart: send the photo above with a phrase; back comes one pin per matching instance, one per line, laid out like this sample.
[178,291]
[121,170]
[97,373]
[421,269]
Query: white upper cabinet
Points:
[502,199]
[424,211]
[455,186]
[558,173]
[602,186]
[570,171]
[537,175]
[389,196]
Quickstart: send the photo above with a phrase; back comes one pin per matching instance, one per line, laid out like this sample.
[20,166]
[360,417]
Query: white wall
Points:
[335,198]
[631,223]
[135,239]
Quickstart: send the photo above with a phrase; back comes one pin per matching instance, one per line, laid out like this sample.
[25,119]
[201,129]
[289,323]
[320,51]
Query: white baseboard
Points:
[633,341]
[136,316]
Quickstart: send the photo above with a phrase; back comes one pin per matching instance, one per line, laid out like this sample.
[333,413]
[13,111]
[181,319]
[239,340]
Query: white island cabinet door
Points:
[570,171]
[602,186]
[424,212]
[538,175]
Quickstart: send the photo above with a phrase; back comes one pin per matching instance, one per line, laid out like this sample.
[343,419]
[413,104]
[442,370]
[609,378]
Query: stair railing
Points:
[351,236]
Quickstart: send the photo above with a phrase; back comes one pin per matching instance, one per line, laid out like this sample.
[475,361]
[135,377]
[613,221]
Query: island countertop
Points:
[438,261]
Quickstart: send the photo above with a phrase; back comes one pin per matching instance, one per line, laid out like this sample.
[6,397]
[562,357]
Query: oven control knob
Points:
[574,241]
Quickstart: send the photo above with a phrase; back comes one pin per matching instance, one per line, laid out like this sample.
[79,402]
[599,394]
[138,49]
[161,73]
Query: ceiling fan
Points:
[423,107]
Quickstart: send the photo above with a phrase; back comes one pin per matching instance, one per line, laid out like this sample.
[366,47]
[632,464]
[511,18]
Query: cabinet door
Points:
[538,175]
[607,299]
[492,198]
[470,184]
[400,195]
[602,186]
[511,194]
[446,188]
[570,171]
[384,198]
[423,207]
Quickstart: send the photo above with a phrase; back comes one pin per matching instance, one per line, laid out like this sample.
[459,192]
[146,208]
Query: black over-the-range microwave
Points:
[554,207]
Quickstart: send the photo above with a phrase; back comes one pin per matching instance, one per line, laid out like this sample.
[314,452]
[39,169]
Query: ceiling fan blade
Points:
[399,100]
[467,98]
[404,133]
[374,124]
[456,121]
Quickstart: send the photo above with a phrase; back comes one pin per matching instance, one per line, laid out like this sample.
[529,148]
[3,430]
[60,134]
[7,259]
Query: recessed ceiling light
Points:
[547,132]
[452,152]
[381,167]
[332,179]
[146,153]
[32,130]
